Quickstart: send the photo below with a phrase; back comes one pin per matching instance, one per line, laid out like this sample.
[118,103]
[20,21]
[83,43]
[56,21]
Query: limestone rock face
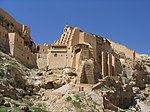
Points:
[12,80]
[138,72]
[116,93]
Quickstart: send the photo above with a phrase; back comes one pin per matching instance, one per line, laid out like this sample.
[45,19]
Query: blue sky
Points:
[124,21]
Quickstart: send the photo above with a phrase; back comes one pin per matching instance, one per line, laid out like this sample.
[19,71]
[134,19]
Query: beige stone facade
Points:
[42,52]
[15,38]
[90,55]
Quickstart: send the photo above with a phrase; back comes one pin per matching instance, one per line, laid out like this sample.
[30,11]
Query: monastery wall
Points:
[21,52]
[10,19]
[89,39]
[42,49]
[83,68]
[58,56]
[42,58]
[75,37]
[3,37]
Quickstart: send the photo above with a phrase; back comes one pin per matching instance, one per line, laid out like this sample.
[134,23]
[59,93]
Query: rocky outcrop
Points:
[11,78]
[117,93]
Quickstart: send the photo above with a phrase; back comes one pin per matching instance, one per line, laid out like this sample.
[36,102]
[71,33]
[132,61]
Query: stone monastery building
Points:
[90,55]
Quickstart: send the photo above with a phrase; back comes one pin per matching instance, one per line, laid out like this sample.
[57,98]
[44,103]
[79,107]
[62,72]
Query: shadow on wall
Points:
[84,78]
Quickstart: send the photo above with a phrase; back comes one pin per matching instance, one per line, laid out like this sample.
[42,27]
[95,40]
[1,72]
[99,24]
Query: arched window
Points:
[55,55]
[38,48]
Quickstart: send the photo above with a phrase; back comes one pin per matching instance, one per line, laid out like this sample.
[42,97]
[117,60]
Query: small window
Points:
[27,58]
[17,39]
[38,56]
[99,59]
[43,49]
[55,55]
[38,48]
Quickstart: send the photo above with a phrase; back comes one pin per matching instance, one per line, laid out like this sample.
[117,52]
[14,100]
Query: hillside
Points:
[55,90]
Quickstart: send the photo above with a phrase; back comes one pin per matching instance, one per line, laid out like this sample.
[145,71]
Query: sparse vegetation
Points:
[9,109]
[77,97]
[68,99]
[75,102]
[37,109]
[30,103]
[12,64]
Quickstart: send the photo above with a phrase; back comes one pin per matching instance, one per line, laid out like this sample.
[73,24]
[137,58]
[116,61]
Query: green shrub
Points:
[12,63]
[3,109]
[76,104]
[77,97]
[68,99]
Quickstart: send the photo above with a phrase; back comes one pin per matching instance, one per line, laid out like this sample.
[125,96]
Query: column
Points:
[103,64]
[109,64]
[113,66]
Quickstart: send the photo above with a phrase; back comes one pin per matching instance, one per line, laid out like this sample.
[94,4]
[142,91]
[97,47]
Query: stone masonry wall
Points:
[21,52]
[3,37]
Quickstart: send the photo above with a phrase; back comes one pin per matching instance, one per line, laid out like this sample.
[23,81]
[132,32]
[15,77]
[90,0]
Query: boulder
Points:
[58,83]
[69,72]
[7,104]
[48,85]
[1,99]
[25,108]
